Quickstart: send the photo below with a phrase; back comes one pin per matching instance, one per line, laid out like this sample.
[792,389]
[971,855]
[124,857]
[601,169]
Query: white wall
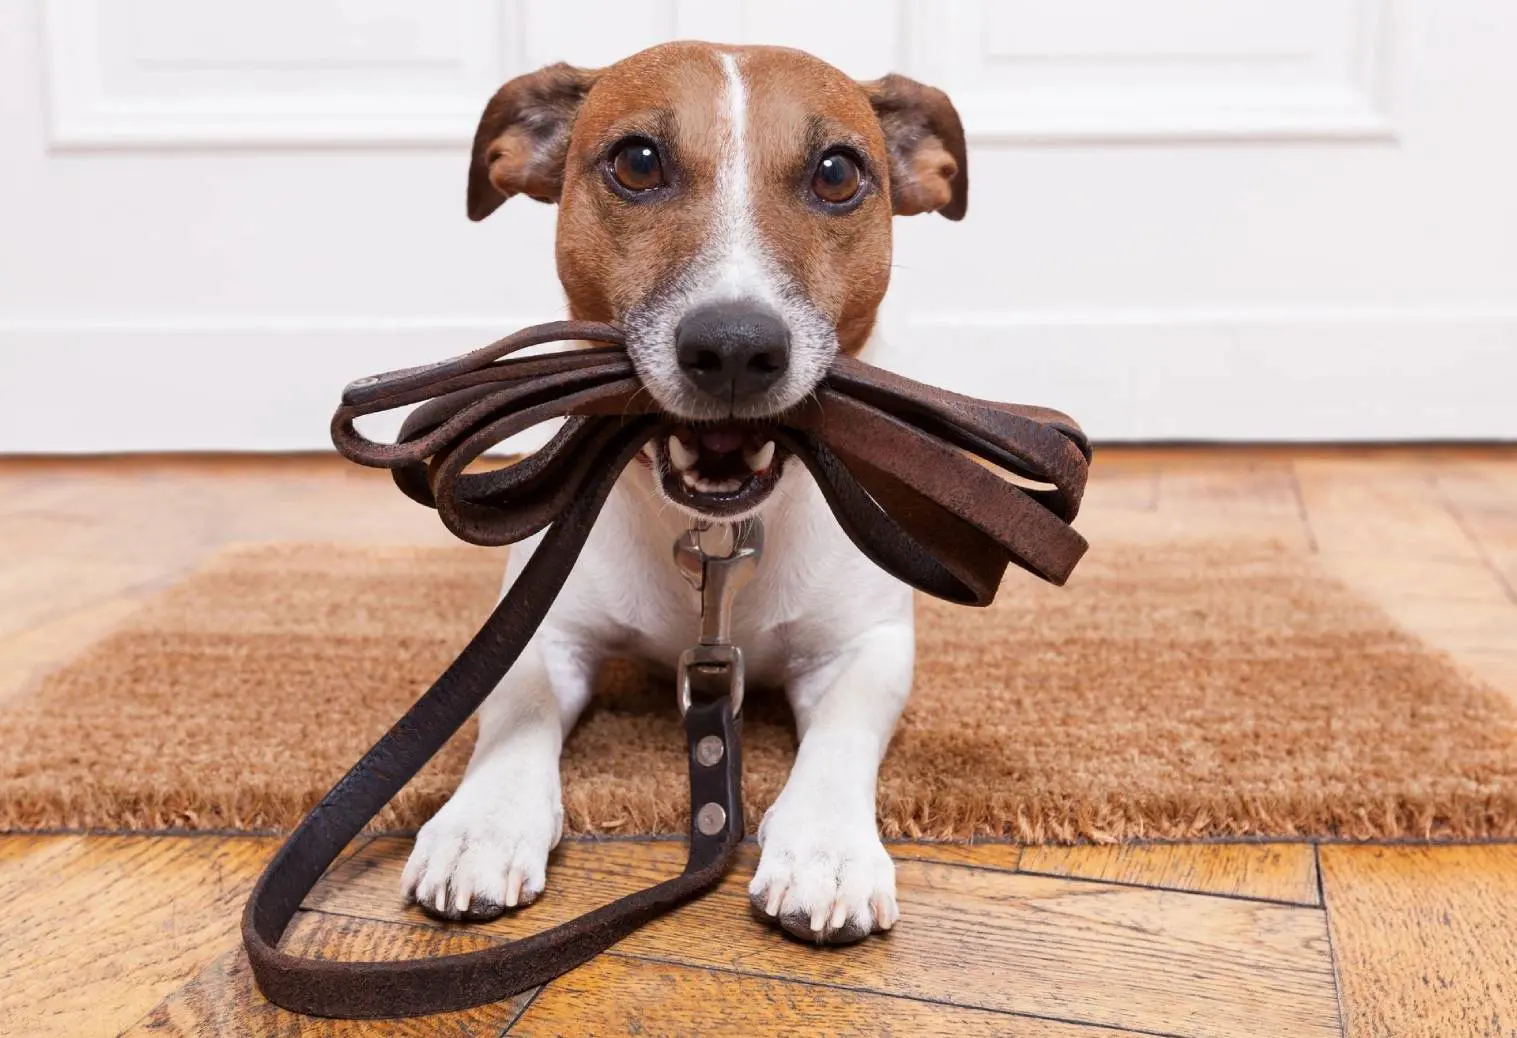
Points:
[1275,219]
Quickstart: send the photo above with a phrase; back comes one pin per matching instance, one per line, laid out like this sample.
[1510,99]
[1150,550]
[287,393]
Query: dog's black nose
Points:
[732,350]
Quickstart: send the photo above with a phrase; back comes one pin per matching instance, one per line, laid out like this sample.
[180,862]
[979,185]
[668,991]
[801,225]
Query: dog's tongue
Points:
[722,439]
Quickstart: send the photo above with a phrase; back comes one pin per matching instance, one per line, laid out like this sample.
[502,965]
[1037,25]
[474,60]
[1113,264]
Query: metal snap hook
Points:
[714,662]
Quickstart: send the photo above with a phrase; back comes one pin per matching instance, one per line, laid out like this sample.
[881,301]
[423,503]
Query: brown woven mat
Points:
[1166,693]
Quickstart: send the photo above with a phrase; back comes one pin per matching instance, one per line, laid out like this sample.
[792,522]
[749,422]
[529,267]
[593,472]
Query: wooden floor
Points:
[104,934]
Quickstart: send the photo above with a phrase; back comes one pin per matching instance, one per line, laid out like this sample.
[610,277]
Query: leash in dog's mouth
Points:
[718,469]
[909,472]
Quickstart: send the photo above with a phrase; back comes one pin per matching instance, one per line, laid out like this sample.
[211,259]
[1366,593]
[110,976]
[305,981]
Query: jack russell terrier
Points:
[730,207]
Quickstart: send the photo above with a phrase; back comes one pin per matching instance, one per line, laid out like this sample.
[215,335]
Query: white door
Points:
[1192,219]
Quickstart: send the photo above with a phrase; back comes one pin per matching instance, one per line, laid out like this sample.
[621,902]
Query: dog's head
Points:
[729,207]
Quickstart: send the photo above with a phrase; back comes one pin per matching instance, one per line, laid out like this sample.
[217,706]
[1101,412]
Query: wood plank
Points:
[1497,669]
[39,588]
[1483,497]
[146,522]
[1424,938]
[1458,605]
[1121,488]
[1384,508]
[97,929]
[615,994]
[163,516]
[223,999]
[1117,956]
[1209,500]
[1235,490]
[1457,627]
[1271,871]
[25,656]
[1451,583]
[1388,532]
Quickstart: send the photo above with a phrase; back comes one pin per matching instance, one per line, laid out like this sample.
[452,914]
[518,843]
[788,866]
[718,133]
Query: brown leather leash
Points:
[902,467]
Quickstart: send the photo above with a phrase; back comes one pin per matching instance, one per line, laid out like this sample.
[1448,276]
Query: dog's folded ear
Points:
[523,137]
[929,170]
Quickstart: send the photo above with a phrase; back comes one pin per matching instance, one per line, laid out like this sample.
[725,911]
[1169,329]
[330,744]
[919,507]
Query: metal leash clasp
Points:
[717,560]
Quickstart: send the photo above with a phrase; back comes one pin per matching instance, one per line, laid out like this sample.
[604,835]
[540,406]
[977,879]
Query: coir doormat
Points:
[1173,692]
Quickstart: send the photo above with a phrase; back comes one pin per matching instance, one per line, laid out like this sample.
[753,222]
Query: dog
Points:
[729,207]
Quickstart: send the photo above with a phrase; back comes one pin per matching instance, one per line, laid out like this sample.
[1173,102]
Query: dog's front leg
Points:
[486,851]
[823,874]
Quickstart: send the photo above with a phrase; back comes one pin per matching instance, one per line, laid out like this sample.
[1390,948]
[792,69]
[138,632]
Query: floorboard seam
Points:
[189,979]
[1150,886]
[1306,519]
[137,591]
[1332,952]
[1002,869]
[1457,514]
[531,999]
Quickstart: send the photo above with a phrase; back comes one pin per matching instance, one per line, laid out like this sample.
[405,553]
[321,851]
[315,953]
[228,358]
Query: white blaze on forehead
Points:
[741,270]
[731,265]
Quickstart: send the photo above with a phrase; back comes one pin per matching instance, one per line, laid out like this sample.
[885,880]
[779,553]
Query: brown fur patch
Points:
[523,137]
[613,254]
[929,162]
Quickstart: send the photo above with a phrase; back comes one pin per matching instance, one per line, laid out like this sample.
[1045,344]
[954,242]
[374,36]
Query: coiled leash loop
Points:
[906,469]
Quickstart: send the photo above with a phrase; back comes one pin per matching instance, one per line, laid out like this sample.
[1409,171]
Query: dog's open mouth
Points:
[719,470]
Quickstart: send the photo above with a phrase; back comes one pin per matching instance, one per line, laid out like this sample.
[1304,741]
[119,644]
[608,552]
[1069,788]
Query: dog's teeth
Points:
[760,459]
[682,456]
[701,485]
[691,479]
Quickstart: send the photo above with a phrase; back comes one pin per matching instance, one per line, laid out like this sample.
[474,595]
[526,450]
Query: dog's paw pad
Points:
[799,924]
[827,884]
[476,866]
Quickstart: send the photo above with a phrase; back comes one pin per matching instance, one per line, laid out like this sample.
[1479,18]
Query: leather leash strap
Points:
[897,463]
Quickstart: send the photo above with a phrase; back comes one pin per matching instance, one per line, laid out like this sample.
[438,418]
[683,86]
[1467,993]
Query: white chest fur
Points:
[813,593]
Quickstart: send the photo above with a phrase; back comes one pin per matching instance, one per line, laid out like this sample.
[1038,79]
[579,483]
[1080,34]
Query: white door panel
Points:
[1189,219]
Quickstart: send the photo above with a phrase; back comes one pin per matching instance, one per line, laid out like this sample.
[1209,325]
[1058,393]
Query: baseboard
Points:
[1279,375]
[255,385]
[1297,375]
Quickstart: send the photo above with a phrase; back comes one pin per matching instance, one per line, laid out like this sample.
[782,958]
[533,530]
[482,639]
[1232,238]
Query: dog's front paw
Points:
[482,855]
[823,876]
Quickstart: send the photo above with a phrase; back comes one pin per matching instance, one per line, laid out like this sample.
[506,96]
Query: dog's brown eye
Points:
[636,166]
[836,178]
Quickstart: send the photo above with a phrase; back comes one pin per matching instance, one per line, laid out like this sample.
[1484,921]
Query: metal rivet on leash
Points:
[711,819]
[713,667]
[709,750]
